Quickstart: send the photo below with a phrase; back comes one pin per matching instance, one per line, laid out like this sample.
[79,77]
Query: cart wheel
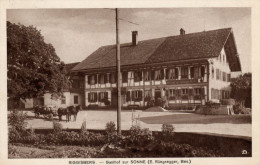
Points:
[37,114]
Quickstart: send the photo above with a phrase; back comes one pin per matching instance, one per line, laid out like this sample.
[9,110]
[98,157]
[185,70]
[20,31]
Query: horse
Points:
[74,111]
[63,111]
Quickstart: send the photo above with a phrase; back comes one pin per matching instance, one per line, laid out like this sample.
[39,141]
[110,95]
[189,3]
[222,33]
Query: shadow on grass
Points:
[197,119]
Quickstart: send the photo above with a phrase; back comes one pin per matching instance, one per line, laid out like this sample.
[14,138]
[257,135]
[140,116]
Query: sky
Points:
[76,33]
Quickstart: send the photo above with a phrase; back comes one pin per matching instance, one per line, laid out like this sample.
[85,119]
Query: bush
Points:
[150,102]
[57,127]
[177,150]
[110,128]
[167,129]
[107,102]
[139,137]
[160,102]
[167,132]
[240,109]
[211,103]
[111,131]
[17,123]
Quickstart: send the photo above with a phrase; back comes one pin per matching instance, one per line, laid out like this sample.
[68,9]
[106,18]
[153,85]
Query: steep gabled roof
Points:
[199,45]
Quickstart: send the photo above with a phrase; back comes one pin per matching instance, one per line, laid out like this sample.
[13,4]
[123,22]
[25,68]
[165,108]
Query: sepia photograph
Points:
[143,85]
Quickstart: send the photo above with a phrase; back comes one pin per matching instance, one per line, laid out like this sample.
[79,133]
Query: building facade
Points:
[187,69]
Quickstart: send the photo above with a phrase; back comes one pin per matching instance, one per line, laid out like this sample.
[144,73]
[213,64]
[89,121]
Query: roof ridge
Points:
[124,44]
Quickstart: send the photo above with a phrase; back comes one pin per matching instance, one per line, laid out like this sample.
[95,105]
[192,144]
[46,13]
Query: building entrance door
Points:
[157,94]
[114,99]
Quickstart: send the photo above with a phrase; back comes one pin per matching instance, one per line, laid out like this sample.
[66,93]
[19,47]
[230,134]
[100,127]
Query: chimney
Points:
[134,38]
[182,31]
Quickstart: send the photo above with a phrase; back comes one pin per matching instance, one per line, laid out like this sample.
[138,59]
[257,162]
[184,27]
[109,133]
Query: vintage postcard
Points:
[97,82]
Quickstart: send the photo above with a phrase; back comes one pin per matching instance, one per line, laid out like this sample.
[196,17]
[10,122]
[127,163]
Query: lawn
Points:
[197,119]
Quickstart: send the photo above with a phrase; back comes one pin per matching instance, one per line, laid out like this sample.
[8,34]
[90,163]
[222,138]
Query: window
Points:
[125,77]
[137,76]
[92,97]
[101,79]
[147,75]
[92,79]
[171,74]
[147,94]
[196,72]
[137,95]
[191,72]
[113,78]
[184,91]
[76,99]
[81,84]
[217,74]
[102,96]
[63,100]
[171,92]
[228,77]
[224,76]
[202,71]
[157,75]
[197,91]
[184,72]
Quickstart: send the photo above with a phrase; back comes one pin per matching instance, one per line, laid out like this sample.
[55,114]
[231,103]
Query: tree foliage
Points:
[241,88]
[33,66]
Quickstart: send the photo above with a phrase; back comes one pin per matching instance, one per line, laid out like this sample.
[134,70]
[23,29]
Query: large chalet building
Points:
[186,69]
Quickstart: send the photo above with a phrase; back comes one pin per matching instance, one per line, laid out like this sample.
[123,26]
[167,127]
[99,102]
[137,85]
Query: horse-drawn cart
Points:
[49,111]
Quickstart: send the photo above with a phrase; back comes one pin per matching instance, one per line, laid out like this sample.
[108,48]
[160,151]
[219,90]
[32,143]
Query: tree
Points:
[241,89]
[33,66]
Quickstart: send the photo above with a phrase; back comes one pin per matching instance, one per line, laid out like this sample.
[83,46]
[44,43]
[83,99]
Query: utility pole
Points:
[118,75]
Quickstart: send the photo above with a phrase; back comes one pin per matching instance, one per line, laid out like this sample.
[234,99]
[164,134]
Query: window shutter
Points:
[106,95]
[191,92]
[88,97]
[89,77]
[167,93]
[99,78]
[128,97]
[133,97]
[176,73]
[140,76]
[162,73]
[95,76]
[178,92]
[202,71]
[167,74]
[95,97]
[115,77]
[192,72]
[195,72]
[110,77]
[202,92]
[99,96]
[152,76]
[105,78]
[124,77]
[140,95]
